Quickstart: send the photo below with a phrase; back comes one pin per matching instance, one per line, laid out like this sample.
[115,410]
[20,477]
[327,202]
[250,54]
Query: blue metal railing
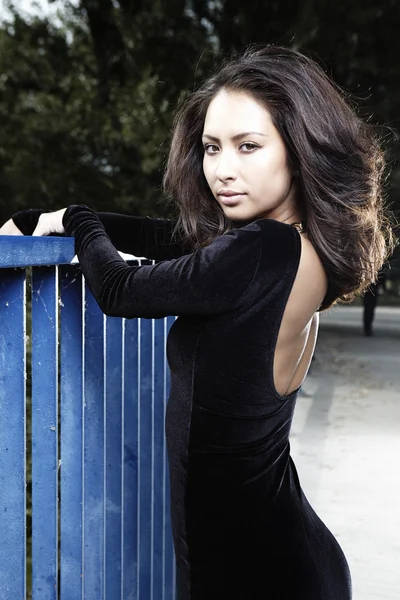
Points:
[93,391]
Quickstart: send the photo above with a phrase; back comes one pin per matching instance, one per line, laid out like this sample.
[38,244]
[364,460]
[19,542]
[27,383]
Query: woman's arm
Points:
[140,236]
[143,236]
[212,280]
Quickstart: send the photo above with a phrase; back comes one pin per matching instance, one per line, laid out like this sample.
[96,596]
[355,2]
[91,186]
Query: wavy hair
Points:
[335,156]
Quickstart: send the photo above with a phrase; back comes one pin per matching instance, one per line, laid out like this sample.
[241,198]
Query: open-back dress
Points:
[242,526]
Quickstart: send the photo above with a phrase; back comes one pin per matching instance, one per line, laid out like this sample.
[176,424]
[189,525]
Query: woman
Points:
[280,215]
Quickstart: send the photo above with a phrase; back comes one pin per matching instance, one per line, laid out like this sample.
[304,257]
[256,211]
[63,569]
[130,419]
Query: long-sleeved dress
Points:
[242,526]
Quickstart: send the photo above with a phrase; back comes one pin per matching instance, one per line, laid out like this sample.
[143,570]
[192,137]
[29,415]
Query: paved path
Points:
[346,444]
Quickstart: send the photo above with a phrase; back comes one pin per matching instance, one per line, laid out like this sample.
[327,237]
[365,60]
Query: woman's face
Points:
[245,161]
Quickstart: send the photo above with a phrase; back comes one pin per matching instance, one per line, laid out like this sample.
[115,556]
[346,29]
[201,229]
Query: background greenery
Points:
[87,99]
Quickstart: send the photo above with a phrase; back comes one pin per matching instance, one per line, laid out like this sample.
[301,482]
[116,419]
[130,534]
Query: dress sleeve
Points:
[209,281]
[140,236]
[143,236]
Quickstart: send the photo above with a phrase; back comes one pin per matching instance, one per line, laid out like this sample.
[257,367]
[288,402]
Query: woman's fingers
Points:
[10,228]
[50,223]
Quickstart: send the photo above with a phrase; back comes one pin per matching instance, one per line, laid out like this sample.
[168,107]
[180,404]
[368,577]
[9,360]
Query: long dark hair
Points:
[335,157]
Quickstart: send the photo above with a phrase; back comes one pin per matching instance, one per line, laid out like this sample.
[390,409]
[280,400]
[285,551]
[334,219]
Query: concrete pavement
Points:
[346,444]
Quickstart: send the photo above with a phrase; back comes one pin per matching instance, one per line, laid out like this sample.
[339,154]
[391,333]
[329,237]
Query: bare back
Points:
[299,327]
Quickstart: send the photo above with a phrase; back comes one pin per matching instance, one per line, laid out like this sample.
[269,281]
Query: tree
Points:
[80,121]
[86,105]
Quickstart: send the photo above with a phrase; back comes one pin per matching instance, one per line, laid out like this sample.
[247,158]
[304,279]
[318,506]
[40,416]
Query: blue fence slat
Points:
[113,458]
[71,418]
[130,443]
[158,470]
[12,435]
[146,435]
[169,555]
[94,451]
[44,433]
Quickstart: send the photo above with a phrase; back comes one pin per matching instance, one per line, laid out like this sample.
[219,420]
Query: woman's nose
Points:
[226,167]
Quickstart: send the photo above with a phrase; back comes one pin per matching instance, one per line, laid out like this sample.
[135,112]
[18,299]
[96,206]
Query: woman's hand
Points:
[10,228]
[50,223]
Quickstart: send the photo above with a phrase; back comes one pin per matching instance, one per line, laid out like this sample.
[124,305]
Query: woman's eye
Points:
[248,147]
[210,148]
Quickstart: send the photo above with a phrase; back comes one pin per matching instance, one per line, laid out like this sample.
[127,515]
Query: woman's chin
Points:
[240,216]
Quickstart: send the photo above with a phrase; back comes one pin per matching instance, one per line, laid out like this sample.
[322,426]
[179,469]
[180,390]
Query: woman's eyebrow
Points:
[236,137]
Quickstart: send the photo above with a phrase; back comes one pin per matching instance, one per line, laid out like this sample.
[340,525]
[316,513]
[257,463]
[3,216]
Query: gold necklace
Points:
[301,227]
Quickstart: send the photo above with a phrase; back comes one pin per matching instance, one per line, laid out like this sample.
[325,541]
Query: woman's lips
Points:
[231,199]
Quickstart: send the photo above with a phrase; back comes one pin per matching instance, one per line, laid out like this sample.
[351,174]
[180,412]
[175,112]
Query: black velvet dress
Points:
[242,527]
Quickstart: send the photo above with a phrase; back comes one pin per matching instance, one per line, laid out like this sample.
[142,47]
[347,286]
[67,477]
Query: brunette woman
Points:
[277,183]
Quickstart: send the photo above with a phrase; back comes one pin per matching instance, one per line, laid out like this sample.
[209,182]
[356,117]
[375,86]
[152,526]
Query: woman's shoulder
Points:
[272,229]
[269,228]
[290,251]
[278,243]
[281,242]
[270,247]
